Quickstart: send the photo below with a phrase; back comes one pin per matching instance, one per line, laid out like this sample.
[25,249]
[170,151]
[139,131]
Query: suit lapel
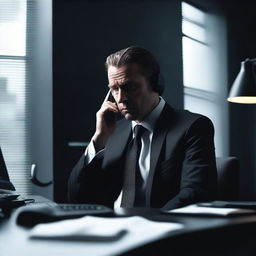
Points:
[161,129]
[117,142]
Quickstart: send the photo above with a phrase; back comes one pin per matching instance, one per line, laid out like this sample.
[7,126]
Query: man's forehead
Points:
[123,72]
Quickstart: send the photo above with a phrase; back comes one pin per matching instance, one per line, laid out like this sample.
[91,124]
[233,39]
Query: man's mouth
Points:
[124,111]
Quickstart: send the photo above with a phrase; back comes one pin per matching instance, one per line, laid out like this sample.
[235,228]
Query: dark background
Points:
[86,32]
[241,26]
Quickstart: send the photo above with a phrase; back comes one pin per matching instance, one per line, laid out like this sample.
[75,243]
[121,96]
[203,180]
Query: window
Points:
[14,92]
[204,69]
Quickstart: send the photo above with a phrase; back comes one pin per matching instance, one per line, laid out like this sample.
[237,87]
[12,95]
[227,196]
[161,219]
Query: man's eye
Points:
[129,87]
[114,89]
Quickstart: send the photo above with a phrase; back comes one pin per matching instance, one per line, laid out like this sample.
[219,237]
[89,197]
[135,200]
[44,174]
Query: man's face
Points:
[132,92]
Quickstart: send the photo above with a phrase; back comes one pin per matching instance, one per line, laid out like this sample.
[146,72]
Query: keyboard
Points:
[78,210]
[47,212]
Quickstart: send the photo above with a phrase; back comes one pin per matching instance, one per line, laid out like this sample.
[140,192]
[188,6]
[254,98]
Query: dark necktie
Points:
[131,170]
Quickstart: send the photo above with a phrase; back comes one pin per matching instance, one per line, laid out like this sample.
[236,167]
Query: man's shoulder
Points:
[185,116]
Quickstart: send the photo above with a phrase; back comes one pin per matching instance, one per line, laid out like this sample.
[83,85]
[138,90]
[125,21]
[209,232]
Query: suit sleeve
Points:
[198,172]
[84,180]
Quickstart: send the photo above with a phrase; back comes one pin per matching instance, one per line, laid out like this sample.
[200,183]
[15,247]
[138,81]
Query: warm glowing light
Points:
[243,99]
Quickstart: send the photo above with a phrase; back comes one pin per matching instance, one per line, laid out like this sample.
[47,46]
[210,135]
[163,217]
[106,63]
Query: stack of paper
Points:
[199,210]
[103,229]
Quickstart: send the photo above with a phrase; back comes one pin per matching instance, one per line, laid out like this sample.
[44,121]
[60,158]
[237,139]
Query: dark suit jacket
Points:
[182,169]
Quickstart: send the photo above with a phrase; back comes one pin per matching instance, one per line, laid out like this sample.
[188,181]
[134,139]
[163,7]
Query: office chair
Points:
[228,178]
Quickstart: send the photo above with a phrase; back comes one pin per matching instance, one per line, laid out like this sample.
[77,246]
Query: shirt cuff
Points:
[90,153]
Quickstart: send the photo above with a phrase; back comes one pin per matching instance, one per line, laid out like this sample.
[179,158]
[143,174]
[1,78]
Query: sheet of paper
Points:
[103,228]
[199,210]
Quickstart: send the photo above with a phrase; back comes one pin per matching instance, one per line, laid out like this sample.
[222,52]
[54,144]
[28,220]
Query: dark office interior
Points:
[67,44]
[85,32]
[52,83]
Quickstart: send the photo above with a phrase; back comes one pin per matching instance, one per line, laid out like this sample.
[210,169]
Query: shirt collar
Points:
[150,120]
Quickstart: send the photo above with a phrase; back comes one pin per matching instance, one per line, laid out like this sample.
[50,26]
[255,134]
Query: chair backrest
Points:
[228,178]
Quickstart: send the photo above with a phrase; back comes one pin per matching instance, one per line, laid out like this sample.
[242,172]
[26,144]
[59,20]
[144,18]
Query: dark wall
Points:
[241,26]
[84,34]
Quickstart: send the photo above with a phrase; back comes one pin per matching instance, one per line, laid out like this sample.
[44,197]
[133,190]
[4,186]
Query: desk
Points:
[200,236]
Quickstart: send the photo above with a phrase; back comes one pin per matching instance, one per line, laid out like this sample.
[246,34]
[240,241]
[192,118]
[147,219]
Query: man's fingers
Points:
[107,96]
[109,106]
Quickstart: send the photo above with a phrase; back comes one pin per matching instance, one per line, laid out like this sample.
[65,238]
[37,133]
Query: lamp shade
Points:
[243,89]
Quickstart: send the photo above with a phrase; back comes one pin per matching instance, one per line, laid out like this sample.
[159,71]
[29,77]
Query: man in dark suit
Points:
[176,160]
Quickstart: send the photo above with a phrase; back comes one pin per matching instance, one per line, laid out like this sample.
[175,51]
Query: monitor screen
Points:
[5,182]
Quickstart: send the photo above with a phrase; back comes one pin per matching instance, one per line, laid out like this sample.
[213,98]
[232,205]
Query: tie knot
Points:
[139,130]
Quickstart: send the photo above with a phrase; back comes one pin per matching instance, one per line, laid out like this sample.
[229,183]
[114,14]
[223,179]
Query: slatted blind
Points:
[15,92]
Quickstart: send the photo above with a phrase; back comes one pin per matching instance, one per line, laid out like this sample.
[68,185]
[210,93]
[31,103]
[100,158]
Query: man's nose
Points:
[121,97]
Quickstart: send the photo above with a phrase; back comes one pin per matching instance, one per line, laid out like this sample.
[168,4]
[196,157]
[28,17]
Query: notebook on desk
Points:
[230,204]
[217,208]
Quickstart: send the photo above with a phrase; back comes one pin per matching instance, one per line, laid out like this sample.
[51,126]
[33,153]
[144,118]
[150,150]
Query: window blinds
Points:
[15,92]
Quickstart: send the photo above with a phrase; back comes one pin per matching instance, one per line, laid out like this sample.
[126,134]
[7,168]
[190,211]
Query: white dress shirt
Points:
[146,140]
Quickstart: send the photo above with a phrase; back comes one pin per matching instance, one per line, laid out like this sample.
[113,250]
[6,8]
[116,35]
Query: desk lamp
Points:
[243,89]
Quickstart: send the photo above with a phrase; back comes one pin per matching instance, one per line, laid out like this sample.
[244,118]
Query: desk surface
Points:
[200,236]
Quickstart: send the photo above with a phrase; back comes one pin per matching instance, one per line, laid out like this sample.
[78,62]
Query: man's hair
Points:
[143,58]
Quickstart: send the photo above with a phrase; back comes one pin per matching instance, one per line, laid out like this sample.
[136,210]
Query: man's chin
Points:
[128,116]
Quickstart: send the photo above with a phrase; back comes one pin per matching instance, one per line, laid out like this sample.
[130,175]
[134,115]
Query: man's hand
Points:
[105,124]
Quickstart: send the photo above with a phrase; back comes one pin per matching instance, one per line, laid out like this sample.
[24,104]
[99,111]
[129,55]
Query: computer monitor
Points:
[5,182]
